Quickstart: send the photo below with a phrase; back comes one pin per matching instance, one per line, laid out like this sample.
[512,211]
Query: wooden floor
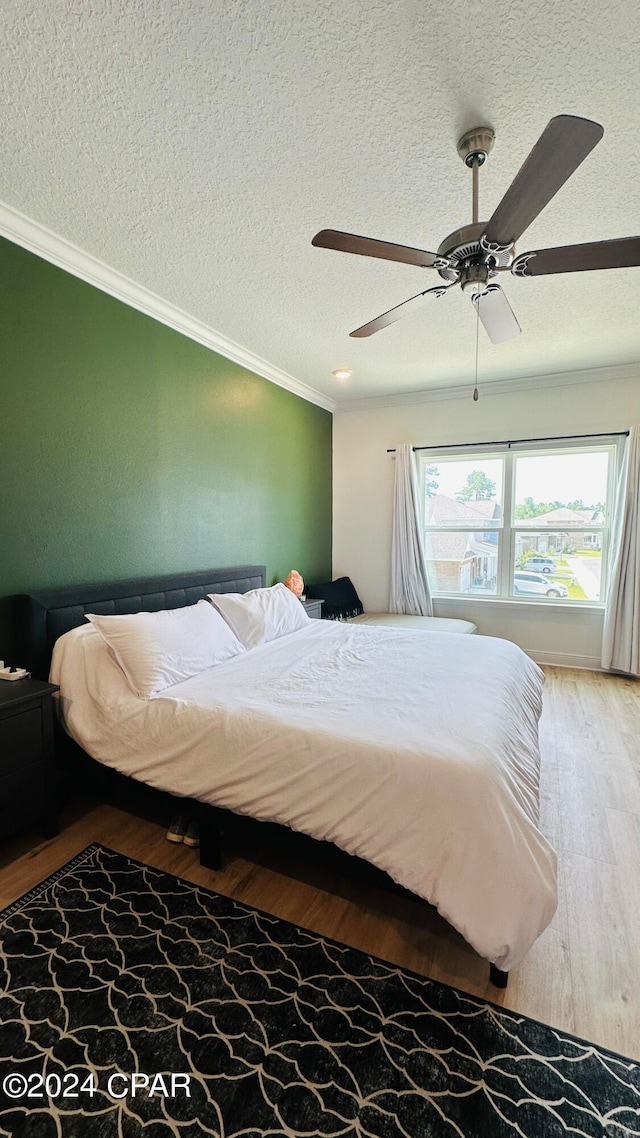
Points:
[582,975]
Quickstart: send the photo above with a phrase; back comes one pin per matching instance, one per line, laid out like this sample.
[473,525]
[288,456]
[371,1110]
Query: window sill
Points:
[519,603]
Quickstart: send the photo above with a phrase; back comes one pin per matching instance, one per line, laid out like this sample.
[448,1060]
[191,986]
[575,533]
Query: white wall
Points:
[363,494]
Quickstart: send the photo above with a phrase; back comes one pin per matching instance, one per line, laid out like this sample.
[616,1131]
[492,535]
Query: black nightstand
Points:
[313,608]
[27,784]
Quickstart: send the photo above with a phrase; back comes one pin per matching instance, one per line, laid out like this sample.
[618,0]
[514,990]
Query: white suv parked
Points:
[541,565]
[535,584]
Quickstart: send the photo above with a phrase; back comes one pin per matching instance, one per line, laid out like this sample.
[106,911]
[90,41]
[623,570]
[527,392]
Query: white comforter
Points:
[416,751]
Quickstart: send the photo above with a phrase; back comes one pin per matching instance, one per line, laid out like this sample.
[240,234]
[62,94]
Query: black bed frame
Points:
[42,617]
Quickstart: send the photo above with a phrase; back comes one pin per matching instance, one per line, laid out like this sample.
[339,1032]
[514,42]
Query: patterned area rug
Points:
[246,1026]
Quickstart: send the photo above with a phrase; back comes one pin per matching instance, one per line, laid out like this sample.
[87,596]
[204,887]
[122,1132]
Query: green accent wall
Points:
[126,449]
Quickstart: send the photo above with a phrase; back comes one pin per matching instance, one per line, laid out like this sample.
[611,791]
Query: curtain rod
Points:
[514,442]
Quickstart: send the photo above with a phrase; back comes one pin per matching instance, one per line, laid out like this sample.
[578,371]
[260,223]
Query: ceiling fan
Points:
[474,254]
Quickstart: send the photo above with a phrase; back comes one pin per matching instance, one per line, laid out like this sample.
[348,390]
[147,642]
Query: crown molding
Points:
[31,235]
[494,387]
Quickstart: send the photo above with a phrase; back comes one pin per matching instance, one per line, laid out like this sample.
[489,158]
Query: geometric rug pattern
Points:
[111,969]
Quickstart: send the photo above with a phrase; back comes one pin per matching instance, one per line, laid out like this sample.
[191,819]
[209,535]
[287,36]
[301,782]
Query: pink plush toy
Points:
[295,582]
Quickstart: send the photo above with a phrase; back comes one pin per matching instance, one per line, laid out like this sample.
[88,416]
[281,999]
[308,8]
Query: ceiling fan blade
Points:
[368,247]
[496,314]
[562,146]
[404,309]
[621,253]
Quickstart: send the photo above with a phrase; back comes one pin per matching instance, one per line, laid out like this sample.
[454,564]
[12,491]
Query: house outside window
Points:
[526,524]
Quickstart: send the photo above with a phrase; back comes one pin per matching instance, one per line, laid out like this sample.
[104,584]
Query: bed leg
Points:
[498,978]
[210,845]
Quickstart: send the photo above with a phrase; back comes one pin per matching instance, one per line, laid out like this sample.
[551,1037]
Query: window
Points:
[528,524]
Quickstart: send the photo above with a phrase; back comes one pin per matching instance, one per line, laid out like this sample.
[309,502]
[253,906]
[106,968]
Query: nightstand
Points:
[313,608]
[27,784]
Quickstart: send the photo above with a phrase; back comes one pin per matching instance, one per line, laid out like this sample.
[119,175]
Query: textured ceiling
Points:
[197,147]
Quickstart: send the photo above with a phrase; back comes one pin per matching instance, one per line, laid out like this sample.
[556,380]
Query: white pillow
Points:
[261,614]
[158,649]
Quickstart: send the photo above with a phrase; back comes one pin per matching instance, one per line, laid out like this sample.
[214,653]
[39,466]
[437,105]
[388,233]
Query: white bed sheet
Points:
[416,752]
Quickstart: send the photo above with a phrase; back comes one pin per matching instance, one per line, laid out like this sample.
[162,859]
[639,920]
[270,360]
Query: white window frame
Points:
[508,529]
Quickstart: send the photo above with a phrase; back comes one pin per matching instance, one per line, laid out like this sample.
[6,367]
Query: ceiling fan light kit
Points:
[474,254]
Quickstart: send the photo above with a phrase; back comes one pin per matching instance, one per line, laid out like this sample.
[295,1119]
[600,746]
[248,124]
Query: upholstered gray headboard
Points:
[44,616]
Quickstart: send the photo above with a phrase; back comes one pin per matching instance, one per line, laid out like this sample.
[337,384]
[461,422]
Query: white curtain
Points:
[409,591]
[621,636]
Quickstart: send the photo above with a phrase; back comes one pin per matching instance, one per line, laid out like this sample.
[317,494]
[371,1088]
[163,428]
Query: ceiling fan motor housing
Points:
[463,248]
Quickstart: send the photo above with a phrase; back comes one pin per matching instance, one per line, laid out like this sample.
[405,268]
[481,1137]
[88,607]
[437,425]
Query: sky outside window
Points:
[453,475]
[563,478]
[545,478]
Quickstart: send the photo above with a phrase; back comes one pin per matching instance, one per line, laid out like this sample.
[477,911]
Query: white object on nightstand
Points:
[17,674]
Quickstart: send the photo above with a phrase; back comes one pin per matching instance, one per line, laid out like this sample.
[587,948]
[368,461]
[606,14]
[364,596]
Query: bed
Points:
[416,753]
